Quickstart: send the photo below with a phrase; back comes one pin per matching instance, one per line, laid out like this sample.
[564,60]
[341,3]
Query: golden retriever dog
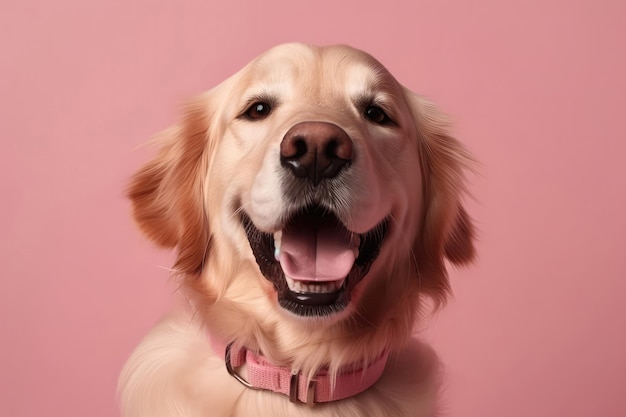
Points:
[314,204]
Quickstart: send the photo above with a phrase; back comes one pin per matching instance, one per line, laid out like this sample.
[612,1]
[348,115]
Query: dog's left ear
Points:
[447,230]
[167,194]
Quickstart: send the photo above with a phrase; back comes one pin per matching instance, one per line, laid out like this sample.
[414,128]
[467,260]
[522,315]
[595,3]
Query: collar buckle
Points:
[294,387]
[232,372]
[294,382]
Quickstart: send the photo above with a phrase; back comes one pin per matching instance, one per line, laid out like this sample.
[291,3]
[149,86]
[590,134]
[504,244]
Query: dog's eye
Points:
[258,110]
[376,115]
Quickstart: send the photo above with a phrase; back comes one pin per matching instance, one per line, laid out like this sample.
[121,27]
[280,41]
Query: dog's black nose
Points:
[316,150]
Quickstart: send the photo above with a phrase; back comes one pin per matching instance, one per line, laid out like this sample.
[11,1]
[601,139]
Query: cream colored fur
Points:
[215,164]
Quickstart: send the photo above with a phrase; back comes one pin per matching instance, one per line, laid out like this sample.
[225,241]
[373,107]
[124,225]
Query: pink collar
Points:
[264,375]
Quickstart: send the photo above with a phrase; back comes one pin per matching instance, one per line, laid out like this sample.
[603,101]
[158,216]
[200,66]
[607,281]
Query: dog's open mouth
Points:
[314,262]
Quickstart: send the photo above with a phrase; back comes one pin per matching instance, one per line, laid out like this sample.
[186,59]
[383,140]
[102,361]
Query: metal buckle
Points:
[310,395]
[294,388]
[293,382]
[233,373]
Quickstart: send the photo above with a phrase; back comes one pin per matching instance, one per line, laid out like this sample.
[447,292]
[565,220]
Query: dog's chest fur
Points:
[176,372]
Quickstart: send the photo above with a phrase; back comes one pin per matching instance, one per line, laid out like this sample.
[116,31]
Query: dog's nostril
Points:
[293,152]
[331,149]
[339,148]
[316,150]
[296,148]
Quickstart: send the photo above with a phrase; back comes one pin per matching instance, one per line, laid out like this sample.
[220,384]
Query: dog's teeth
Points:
[277,241]
[322,288]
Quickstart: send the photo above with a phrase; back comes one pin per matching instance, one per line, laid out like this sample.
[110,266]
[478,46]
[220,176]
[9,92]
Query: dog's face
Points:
[313,180]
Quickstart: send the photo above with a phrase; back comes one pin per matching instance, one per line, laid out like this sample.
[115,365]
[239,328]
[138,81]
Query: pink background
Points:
[538,92]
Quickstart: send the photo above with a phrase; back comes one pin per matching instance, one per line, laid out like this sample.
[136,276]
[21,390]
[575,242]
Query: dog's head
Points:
[311,183]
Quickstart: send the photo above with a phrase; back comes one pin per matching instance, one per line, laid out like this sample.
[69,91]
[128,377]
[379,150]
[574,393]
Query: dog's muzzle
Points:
[314,261]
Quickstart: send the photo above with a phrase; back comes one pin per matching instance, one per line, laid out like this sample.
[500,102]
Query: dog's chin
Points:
[314,262]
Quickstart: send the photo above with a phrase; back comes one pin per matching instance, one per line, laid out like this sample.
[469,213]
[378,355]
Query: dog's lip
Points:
[313,301]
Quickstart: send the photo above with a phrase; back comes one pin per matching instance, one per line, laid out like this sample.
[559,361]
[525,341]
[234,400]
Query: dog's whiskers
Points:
[208,240]
[237,211]
[174,271]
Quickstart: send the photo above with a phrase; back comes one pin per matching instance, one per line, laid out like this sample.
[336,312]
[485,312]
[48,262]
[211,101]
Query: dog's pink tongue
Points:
[316,252]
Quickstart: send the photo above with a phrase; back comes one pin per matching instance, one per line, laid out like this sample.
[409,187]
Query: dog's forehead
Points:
[321,70]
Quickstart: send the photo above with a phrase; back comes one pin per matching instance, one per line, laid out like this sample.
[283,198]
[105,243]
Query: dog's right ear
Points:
[447,229]
[167,194]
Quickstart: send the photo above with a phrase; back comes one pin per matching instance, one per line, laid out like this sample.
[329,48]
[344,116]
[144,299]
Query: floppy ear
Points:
[167,193]
[447,230]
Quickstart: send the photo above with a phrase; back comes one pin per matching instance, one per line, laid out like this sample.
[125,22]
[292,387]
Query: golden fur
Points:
[213,165]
